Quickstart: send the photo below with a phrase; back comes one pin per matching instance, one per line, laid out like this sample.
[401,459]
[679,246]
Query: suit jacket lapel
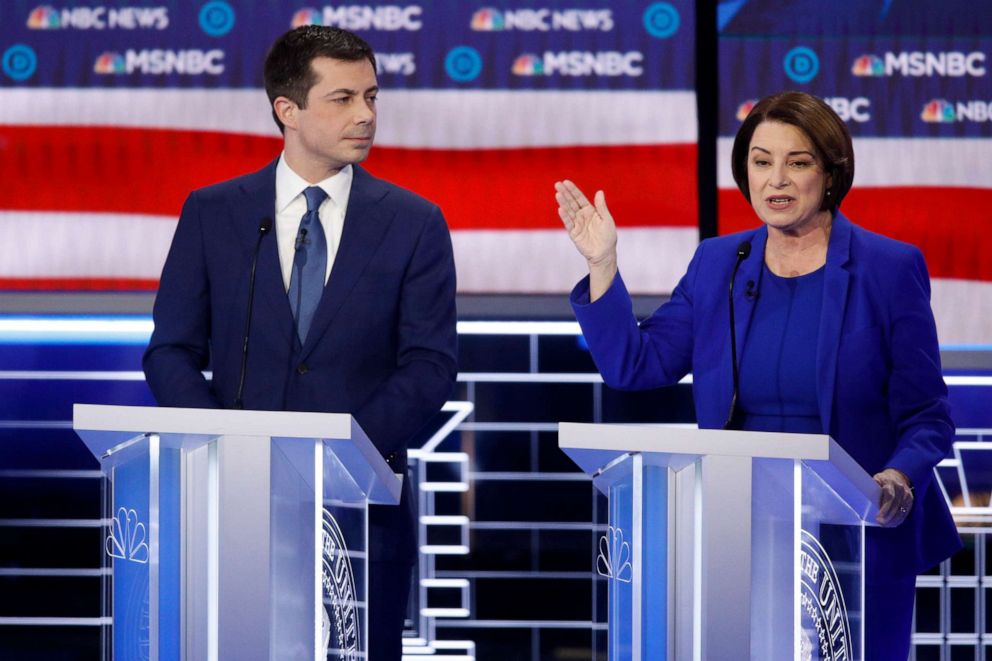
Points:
[260,194]
[835,285]
[366,223]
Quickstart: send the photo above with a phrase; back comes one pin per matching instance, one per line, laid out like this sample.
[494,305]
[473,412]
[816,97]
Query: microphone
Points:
[743,250]
[301,238]
[263,228]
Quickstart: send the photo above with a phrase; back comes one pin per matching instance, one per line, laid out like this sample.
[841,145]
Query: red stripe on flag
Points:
[77,284]
[492,189]
[151,171]
[143,171]
[950,225]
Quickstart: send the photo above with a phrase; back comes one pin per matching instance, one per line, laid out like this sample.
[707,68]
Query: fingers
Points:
[566,218]
[600,201]
[590,227]
[896,499]
[886,504]
[565,206]
[570,197]
[574,208]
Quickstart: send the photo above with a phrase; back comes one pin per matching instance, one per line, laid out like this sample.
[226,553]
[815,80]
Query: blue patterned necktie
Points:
[306,283]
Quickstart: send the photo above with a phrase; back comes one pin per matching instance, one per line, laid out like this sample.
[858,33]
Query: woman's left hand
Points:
[896,501]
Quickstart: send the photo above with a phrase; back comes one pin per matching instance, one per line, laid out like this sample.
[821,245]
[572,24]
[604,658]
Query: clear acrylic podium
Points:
[236,534]
[725,544]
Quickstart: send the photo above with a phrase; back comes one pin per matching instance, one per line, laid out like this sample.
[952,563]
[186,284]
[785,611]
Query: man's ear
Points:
[285,109]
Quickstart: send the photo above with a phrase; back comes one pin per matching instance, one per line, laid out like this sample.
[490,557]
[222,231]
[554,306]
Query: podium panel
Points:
[237,534]
[807,560]
[727,545]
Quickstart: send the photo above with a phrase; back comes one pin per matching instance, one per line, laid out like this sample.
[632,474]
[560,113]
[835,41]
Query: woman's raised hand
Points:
[590,227]
[592,230]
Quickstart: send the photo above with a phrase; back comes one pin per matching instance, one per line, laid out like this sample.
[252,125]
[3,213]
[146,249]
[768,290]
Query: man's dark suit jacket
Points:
[879,383]
[382,344]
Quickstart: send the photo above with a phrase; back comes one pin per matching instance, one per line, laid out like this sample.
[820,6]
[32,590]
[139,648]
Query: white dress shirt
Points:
[291,205]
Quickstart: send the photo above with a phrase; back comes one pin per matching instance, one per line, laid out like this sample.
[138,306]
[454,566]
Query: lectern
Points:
[728,544]
[236,534]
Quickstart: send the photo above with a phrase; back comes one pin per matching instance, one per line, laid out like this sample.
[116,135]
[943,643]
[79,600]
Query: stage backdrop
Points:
[111,112]
[912,80]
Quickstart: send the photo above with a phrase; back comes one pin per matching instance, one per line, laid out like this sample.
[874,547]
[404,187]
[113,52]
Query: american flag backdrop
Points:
[110,113]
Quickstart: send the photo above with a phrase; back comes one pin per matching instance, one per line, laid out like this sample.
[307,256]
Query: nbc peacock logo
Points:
[528,65]
[868,65]
[745,109]
[109,63]
[307,16]
[488,20]
[44,17]
[938,111]
[613,560]
[127,539]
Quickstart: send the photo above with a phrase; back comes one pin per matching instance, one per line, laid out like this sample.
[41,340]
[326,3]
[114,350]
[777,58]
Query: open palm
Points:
[590,226]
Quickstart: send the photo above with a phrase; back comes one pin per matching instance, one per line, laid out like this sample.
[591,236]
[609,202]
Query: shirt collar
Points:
[290,185]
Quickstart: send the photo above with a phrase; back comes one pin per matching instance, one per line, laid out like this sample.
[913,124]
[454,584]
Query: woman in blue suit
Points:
[834,330]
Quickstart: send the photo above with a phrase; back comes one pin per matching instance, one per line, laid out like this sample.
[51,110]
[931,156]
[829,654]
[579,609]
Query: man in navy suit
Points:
[354,291]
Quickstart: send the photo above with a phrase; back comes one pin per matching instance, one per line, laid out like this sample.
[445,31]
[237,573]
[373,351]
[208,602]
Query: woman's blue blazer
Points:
[879,383]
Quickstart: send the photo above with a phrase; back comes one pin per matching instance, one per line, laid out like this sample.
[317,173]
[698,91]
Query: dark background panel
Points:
[50,596]
[533,402]
[533,599]
[500,500]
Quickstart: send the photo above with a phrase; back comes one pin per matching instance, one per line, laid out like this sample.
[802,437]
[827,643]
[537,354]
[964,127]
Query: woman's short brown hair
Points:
[828,133]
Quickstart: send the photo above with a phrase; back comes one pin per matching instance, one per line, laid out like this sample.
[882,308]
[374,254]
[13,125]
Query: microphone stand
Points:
[263,229]
[743,250]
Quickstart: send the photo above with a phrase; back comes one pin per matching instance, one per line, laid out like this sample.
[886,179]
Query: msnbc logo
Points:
[488,20]
[855,109]
[362,17]
[922,64]
[868,65]
[938,111]
[307,16]
[745,108]
[159,62]
[43,18]
[528,65]
[109,62]
[580,63]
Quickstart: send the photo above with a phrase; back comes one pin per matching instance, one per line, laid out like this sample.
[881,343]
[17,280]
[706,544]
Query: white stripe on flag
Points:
[651,259]
[107,245]
[52,244]
[438,119]
[963,309]
[883,162]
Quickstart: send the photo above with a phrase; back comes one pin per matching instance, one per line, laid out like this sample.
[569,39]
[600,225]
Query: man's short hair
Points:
[818,121]
[287,66]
